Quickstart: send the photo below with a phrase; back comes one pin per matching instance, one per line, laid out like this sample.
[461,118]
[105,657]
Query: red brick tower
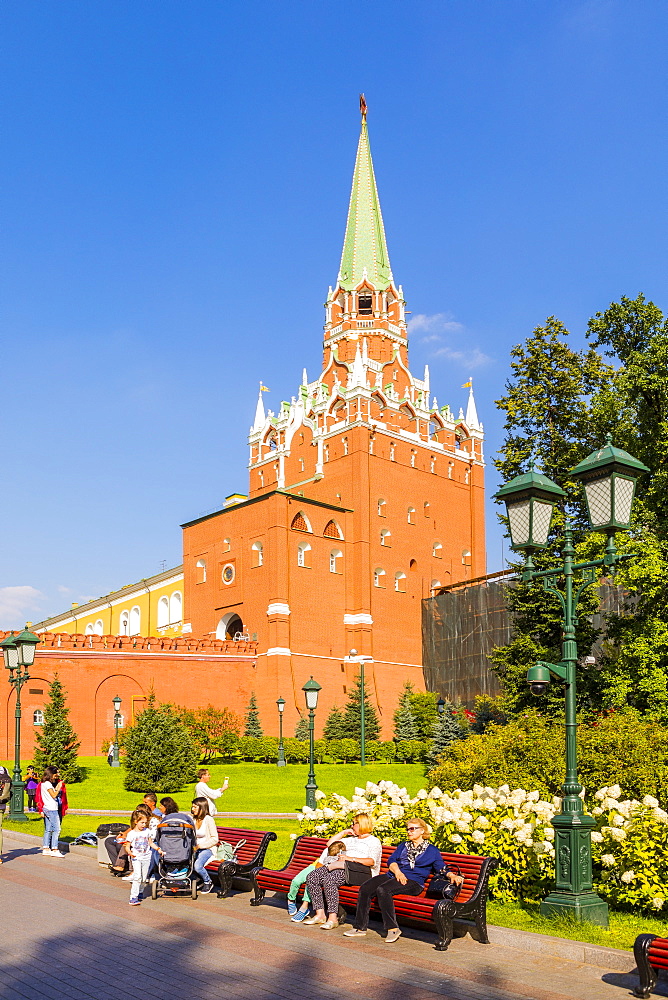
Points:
[364,495]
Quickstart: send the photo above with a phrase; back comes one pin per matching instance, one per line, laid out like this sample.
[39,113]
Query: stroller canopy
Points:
[176,836]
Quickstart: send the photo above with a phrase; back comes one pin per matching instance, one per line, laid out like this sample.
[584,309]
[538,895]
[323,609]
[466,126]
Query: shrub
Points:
[56,741]
[528,752]
[160,753]
[253,726]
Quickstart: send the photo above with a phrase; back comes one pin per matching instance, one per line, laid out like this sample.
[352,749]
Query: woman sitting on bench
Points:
[408,868]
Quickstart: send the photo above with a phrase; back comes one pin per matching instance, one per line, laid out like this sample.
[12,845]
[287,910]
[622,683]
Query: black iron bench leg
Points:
[480,917]
[225,882]
[442,916]
[648,975]
[258,892]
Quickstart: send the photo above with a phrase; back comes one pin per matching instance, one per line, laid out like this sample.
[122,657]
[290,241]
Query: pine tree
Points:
[446,731]
[404,720]
[335,725]
[301,729]
[253,726]
[57,743]
[352,714]
[160,753]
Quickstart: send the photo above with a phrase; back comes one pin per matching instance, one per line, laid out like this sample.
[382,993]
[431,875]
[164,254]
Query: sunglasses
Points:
[409,828]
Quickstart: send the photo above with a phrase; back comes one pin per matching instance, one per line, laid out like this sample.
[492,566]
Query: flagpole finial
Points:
[363,107]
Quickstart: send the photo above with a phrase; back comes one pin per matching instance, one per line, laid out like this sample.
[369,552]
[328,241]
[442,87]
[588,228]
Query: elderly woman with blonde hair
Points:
[323,884]
[408,868]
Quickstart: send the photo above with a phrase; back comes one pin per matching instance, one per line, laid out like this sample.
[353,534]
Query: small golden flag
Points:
[468,385]
[264,388]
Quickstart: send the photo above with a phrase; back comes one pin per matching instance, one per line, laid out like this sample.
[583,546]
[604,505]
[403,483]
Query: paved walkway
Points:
[68,932]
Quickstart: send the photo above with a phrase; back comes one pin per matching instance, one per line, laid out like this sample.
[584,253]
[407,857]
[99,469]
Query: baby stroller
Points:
[176,836]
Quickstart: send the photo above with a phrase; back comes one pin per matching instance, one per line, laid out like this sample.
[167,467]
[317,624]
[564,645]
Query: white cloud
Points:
[444,330]
[62,589]
[16,603]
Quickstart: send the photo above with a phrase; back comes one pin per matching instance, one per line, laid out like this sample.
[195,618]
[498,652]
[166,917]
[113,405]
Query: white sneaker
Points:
[128,878]
[56,854]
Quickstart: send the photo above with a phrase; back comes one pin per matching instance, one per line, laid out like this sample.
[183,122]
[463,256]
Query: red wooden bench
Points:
[422,910]
[651,955]
[249,857]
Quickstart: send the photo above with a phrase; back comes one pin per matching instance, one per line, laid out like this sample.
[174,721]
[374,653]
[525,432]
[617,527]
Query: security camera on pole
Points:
[609,477]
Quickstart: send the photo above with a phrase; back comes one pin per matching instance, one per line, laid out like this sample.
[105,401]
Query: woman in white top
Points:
[50,787]
[202,789]
[323,884]
[207,840]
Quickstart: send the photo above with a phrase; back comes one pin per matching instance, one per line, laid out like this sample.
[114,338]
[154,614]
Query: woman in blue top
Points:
[408,868]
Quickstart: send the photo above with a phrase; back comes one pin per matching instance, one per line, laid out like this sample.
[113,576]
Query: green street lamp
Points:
[609,476]
[281,751]
[117,719]
[311,690]
[354,657]
[19,654]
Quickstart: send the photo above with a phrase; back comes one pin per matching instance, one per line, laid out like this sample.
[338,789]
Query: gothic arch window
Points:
[392,451]
[432,464]
[379,577]
[412,458]
[437,550]
[163,612]
[435,426]
[326,453]
[365,303]
[411,515]
[38,717]
[386,537]
[332,530]
[175,608]
[300,523]
[125,623]
[413,566]
[271,442]
[98,628]
[227,545]
[466,475]
[135,621]
[400,582]
[345,446]
[89,629]
[335,561]
[200,571]
[381,508]
[426,508]
[257,552]
[435,585]
[303,557]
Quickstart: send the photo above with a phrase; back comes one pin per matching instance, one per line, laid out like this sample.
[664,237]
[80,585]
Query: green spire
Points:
[364,246]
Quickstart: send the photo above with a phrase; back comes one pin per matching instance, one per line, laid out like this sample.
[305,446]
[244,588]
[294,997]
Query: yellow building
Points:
[151,607]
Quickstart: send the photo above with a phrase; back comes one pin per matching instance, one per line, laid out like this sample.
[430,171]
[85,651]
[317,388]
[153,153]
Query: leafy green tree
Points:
[352,714]
[423,707]
[214,730]
[57,743]
[446,730]
[160,752]
[404,720]
[302,729]
[253,726]
[335,725]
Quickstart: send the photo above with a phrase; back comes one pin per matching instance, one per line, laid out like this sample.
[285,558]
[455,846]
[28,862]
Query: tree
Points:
[57,743]
[446,730]
[160,753]
[302,729]
[215,731]
[423,707]
[404,720]
[352,714]
[253,726]
[335,725]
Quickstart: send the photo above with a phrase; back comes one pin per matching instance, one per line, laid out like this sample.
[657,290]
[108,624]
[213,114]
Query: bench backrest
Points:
[253,838]
[658,953]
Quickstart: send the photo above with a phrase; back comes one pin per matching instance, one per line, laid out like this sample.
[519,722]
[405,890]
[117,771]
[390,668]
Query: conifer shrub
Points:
[405,727]
[160,753]
[335,725]
[352,714]
[253,726]
[445,731]
[57,743]
[302,729]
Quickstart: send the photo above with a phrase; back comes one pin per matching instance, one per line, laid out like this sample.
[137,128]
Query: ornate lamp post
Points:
[19,654]
[609,476]
[281,751]
[354,657]
[311,690]
[117,718]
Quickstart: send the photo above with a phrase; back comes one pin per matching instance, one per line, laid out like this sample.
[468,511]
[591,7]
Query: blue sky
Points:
[173,189]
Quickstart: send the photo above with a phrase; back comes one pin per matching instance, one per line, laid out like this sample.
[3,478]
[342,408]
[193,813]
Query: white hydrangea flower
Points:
[507,824]
[478,790]
[478,836]
[478,804]
[328,813]
[533,796]
[489,804]
[601,794]
[481,822]
[657,903]
[549,833]
[628,876]
[504,789]
[467,817]
[293,836]
[436,793]
[597,811]
[614,791]
[462,826]
[422,794]
[617,834]
[608,860]
[319,794]
[597,837]
[660,815]
[454,838]
[650,802]
[617,820]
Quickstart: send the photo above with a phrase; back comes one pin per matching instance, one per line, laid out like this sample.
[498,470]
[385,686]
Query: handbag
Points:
[356,873]
[225,851]
[441,887]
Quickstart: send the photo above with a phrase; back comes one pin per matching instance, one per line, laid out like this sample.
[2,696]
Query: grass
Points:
[253,787]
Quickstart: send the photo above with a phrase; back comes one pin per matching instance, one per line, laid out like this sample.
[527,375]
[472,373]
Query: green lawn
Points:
[253,787]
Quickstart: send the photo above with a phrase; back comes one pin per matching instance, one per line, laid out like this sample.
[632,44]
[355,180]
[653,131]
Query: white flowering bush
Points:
[629,843]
